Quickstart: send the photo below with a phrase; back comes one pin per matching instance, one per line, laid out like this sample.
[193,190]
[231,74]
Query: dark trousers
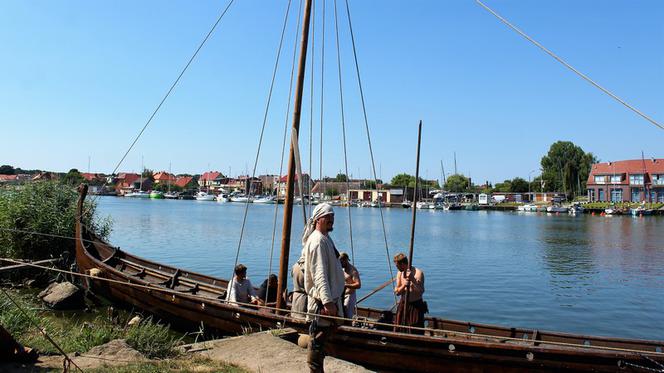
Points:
[316,348]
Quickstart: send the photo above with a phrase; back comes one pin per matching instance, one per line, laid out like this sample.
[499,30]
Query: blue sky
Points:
[80,78]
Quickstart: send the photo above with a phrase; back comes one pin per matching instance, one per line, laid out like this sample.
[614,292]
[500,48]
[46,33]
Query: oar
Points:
[374,291]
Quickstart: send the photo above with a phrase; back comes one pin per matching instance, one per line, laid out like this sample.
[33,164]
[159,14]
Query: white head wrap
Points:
[322,209]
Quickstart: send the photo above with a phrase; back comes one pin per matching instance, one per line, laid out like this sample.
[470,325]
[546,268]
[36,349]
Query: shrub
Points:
[45,208]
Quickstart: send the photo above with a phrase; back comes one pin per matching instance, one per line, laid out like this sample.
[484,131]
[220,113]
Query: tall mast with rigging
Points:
[290,181]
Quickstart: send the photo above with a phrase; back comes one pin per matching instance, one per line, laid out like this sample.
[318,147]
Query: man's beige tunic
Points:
[323,274]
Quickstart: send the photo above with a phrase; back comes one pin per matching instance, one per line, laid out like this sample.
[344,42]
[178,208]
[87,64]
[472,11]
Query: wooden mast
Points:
[288,204]
[412,226]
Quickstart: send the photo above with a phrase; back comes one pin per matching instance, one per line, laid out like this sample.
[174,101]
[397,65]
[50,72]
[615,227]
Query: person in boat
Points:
[299,295]
[409,280]
[323,281]
[352,279]
[267,293]
[240,290]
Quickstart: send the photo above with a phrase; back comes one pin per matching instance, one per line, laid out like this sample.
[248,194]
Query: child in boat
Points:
[240,289]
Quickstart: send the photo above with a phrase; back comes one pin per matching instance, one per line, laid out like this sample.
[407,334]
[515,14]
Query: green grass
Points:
[196,364]
[152,339]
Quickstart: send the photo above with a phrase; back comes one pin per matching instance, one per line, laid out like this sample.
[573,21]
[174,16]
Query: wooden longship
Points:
[179,295]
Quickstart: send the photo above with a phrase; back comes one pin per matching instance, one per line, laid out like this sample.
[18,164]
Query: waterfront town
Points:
[510,219]
[619,187]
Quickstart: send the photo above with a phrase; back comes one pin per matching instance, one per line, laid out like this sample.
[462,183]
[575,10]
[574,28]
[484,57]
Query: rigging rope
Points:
[41,330]
[368,132]
[283,144]
[447,333]
[343,132]
[321,192]
[570,67]
[260,139]
[170,90]
[311,108]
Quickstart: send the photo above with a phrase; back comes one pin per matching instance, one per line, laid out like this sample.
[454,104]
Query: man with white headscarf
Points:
[323,280]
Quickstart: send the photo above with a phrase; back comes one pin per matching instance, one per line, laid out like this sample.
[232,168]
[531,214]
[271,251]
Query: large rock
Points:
[117,348]
[264,352]
[61,296]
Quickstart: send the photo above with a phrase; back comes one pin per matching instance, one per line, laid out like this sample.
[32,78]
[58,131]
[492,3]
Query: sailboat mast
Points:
[288,203]
[414,209]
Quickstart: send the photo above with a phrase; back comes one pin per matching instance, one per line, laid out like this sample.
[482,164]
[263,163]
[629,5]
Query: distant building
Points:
[94,178]
[306,185]
[635,180]
[186,182]
[211,180]
[269,183]
[9,179]
[322,188]
[124,182]
[392,195]
[163,177]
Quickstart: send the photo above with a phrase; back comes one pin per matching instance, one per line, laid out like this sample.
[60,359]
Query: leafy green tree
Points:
[163,187]
[504,187]
[148,174]
[566,168]
[341,177]
[368,184]
[518,185]
[73,177]
[402,180]
[6,169]
[457,183]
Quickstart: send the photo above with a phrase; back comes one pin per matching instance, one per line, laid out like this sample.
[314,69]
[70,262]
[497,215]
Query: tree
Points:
[518,185]
[368,184]
[148,174]
[566,168]
[341,177]
[6,169]
[73,177]
[504,187]
[457,183]
[403,180]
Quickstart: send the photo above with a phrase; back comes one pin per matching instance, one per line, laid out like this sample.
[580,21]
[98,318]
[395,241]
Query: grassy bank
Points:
[182,365]
[72,334]
[35,217]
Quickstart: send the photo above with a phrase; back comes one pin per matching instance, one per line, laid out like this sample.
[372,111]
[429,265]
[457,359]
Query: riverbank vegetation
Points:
[79,332]
[196,364]
[37,220]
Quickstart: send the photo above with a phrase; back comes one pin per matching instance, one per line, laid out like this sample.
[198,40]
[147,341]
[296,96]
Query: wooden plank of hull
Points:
[373,348]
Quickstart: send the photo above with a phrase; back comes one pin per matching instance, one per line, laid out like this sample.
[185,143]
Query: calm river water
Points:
[587,274]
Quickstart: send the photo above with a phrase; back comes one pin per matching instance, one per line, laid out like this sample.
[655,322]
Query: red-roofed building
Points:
[635,180]
[210,179]
[94,178]
[8,179]
[186,182]
[163,177]
[124,182]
